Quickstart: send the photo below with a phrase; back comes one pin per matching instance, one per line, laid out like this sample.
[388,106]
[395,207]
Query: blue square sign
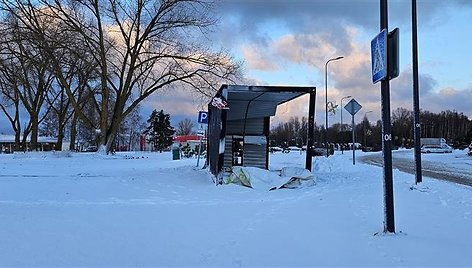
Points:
[203,117]
[378,52]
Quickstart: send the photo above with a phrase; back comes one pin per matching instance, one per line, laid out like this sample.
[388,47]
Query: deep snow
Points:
[144,209]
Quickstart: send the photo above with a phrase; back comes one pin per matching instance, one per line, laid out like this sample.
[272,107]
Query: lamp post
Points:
[342,146]
[326,100]
[365,136]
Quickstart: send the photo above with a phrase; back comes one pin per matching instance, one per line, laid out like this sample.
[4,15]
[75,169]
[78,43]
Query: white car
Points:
[436,149]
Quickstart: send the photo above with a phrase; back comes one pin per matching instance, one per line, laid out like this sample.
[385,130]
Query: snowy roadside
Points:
[143,209]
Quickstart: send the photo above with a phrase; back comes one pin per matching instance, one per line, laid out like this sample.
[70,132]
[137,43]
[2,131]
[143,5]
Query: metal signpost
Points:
[383,69]
[202,119]
[353,107]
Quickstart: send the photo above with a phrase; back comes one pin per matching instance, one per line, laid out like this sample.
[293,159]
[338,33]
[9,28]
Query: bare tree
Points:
[130,130]
[10,100]
[25,70]
[140,47]
[185,127]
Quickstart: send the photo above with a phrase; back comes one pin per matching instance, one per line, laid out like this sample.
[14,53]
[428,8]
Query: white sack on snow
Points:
[297,172]
[262,179]
[297,177]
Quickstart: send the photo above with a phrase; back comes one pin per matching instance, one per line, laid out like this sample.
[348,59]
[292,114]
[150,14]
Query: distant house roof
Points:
[11,139]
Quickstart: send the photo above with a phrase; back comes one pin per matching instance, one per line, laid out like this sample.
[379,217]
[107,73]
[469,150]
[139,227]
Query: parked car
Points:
[294,148]
[91,148]
[436,149]
[319,152]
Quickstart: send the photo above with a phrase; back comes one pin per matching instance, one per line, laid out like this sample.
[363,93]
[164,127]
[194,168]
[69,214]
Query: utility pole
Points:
[416,95]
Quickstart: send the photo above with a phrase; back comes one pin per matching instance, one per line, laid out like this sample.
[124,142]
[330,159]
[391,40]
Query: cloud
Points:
[252,21]
[179,103]
[352,76]
[303,48]
[303,15]
[447,99]
[258,59]
[273,36]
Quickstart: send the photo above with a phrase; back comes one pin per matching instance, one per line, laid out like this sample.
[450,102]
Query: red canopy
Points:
[186,138]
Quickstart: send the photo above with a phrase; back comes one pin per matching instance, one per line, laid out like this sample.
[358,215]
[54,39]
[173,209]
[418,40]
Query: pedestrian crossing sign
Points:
[378,49]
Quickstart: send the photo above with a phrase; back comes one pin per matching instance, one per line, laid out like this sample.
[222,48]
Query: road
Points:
[461,174]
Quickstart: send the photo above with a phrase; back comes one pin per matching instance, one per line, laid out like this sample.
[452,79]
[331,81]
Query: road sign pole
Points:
[353,107]
[199,150]
[389,222]
[353,142]
[203,120]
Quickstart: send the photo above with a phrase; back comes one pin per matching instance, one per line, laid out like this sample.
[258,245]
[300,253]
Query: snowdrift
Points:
[262,179]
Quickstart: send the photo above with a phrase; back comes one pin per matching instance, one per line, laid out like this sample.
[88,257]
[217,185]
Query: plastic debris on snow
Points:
[262,179]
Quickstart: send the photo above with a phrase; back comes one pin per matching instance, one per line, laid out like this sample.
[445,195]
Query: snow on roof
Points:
[11,138]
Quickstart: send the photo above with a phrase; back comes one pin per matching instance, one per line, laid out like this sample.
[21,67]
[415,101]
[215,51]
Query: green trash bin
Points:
[175,154]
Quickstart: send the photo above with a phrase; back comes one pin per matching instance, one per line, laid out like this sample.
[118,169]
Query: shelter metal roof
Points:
[258,101]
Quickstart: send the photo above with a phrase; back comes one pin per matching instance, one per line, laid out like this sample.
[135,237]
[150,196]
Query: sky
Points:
[288,43]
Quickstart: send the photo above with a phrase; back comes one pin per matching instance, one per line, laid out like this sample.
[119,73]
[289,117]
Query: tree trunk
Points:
[23,145]
[60,130]
[73,133]
[60,137]
[34,133]
[18,139]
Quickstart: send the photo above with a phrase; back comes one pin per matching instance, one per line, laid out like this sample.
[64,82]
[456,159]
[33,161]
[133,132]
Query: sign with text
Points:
[201,133]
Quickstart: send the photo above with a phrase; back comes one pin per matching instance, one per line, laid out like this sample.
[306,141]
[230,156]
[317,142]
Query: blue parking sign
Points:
[203,117]
[378,50]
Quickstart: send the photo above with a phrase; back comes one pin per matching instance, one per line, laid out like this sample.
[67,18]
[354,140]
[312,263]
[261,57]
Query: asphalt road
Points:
[435,170]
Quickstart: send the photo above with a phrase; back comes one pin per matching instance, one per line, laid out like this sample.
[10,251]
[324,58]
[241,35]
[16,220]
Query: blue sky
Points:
[288,42]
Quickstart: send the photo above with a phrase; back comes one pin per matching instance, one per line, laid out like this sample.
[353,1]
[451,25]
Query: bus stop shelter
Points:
[239,124]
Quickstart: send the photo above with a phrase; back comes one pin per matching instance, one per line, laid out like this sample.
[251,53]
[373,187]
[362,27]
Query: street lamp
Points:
[342,146]
[326,100]
[365,136]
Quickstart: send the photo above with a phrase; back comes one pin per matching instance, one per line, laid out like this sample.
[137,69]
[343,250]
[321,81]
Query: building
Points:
[193,141]
[7,143]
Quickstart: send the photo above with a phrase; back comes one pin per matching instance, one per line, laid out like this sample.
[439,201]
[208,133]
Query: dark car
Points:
[91,148]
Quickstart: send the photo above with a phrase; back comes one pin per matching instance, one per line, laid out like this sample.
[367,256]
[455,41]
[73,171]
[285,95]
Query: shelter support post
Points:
[353,141]
[311,130]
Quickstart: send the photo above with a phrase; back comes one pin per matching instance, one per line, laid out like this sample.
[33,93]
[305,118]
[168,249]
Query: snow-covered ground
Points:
[144,209]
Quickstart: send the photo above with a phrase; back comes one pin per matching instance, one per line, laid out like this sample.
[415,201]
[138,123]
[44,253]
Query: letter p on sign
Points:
[203,117]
